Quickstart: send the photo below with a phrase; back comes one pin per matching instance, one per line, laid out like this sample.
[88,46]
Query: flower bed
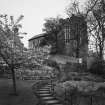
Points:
[81,92]
[81,86]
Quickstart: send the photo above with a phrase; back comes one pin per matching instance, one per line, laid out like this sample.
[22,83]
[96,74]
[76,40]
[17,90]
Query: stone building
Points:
[36,50]
[34,42]
[76,39]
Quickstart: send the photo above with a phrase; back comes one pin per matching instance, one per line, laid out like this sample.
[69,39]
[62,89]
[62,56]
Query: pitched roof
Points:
[37,36]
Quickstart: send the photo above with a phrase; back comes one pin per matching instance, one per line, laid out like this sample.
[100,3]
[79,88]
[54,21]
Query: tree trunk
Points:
[77,50]
[56,42]
[101,53]
[14,81]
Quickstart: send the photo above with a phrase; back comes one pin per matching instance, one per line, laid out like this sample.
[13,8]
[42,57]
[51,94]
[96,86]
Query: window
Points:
[67,34]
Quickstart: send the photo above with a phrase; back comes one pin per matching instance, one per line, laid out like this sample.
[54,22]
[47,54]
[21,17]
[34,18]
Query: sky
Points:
[34,11]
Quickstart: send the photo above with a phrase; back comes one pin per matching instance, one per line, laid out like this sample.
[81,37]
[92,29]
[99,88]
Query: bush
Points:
[98,68]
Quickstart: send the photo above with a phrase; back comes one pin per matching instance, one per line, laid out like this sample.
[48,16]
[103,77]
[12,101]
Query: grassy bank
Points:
[24,89]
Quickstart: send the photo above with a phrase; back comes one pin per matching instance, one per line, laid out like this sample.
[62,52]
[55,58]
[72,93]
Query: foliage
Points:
[98,68]
[79,86]
[53,64]
[10,44]
[11,48]
[49,39]
[53,24]
[52,27]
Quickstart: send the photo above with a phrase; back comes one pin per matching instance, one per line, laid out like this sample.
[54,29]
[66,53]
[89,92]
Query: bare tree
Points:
[73,8]
[95,16]
[96,24]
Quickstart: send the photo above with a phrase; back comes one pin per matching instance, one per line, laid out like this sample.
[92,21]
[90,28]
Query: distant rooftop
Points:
[37,36]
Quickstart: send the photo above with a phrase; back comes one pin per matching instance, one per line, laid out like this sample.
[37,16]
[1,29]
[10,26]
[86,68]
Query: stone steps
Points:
[46,97]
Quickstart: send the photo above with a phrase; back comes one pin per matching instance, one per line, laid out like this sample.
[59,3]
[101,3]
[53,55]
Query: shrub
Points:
[98,67]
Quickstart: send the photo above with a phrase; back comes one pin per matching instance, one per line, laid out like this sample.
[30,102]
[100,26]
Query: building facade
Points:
[34,42]
[36,50]
[76,39]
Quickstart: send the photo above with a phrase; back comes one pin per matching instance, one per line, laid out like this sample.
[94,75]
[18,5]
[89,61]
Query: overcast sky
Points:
[34,11]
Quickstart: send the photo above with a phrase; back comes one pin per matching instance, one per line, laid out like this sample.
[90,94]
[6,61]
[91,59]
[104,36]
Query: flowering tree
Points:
[11,48]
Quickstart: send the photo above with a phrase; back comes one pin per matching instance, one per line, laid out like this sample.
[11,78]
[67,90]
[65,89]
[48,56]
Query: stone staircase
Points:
[46,97]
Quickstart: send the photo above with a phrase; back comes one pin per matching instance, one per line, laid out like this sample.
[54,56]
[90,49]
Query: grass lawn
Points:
[24,89]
